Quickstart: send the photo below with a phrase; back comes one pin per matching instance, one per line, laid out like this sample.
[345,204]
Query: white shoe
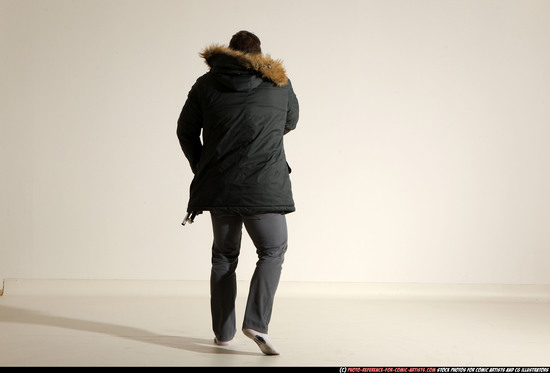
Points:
[262,340]
[222,343]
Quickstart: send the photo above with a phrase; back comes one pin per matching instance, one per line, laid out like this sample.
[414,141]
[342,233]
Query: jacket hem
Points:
[244,209]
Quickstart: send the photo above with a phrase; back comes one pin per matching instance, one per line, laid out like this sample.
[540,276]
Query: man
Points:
[243,106]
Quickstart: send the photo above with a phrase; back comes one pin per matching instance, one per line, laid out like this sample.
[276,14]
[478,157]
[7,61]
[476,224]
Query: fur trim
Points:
[267,67]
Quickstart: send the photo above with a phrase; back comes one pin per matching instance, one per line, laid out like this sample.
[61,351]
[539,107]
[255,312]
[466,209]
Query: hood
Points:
[264,66]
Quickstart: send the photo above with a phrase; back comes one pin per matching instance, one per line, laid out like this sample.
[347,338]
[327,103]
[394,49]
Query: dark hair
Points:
[246,42]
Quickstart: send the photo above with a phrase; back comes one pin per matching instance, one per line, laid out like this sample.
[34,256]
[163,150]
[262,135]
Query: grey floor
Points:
[347,329]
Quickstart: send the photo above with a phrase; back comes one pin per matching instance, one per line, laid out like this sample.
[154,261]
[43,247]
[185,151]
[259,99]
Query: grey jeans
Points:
[269,234]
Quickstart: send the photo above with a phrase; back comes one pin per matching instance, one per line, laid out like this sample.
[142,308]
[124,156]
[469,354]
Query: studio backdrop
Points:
[422,154]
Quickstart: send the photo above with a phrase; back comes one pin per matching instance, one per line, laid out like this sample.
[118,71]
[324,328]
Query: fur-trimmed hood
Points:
[264,65]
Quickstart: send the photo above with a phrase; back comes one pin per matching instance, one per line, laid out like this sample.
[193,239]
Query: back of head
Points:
[246,42]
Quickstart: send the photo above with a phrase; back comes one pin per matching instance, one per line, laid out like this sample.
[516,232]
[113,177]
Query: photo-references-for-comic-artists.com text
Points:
[445,370]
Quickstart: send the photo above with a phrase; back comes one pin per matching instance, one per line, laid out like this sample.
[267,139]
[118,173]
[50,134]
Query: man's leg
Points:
[223,283]
[270,236]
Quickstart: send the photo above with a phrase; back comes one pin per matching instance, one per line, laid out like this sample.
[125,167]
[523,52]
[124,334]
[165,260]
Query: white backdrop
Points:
[422,152]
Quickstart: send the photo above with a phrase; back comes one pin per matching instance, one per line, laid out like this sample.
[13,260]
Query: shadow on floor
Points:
[25,316]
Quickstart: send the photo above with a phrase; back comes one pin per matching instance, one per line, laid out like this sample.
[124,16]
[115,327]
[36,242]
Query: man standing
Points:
[244,106]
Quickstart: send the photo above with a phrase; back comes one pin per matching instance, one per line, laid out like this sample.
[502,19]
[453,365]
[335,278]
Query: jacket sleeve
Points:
[189,128]
[293,110]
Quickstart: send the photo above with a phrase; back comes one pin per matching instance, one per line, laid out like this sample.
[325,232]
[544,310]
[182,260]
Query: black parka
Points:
[243,106]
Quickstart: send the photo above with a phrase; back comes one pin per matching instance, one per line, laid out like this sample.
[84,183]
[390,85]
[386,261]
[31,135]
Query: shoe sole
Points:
[260,342]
